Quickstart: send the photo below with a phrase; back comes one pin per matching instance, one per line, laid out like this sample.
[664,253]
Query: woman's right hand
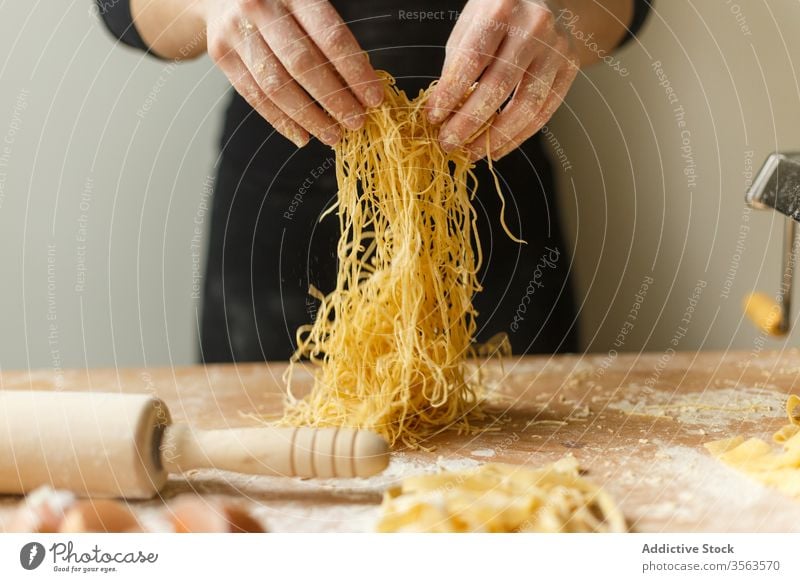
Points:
[295,62]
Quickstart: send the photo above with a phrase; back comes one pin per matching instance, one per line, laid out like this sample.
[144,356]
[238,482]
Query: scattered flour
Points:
[712,407]
[339,505]
[708,492]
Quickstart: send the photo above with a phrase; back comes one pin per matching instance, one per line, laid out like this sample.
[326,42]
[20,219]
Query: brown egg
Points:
[99,515]
[194,514]
[41,511]
[241,521]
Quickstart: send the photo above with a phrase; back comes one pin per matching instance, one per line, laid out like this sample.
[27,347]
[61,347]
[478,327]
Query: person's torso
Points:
[405,38]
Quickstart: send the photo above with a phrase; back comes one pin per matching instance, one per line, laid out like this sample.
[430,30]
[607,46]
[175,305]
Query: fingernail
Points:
[374,96]
[436,115]
[354,122]
[448,141]
[475,154]
[299,140]
[293,133]
[330,136]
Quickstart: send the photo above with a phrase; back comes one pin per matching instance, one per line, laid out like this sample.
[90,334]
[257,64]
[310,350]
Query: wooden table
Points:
[635,422]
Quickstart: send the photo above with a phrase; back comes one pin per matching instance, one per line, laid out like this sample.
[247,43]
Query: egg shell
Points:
[99,515]
[193,514]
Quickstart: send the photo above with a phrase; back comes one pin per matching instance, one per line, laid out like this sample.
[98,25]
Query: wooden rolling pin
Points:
[124,445]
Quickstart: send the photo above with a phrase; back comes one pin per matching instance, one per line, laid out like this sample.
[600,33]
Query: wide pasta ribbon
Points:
[760,460]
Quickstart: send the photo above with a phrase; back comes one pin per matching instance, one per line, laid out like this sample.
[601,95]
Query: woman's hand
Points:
[295,62]
[507,46]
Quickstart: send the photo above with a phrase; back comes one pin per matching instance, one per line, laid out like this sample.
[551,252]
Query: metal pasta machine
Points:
[777,186]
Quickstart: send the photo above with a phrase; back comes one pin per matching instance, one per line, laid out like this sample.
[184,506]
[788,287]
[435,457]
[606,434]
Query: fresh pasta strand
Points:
[390,342]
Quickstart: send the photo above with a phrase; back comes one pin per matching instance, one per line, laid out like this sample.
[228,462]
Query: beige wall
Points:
[107,173]
[98,203]
[637,208]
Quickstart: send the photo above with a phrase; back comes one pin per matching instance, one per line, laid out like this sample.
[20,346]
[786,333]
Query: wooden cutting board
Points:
[636,423]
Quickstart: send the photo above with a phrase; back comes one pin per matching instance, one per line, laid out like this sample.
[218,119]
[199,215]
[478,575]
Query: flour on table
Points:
[339,505]
[715,407]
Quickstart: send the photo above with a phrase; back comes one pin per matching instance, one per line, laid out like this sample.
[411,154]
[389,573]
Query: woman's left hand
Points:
[506,46]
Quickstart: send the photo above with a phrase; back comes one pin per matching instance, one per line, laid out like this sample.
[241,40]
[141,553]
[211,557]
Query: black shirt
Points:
[266,244]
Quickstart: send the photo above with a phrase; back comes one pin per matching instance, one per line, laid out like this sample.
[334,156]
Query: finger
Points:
[244,84]
[457,34]
[528,99]
[494,87]
[274,81]
[304,62]
[334,38]
[501,143]
[564,79]
[480,42]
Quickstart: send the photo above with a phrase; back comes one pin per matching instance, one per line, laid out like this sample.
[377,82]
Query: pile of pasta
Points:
[501,498]
[759,459]
[390,342]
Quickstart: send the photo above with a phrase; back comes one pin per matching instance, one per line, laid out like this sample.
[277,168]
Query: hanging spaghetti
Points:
[392,339]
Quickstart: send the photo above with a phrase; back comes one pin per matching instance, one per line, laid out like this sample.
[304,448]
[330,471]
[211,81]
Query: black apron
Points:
[267,245]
